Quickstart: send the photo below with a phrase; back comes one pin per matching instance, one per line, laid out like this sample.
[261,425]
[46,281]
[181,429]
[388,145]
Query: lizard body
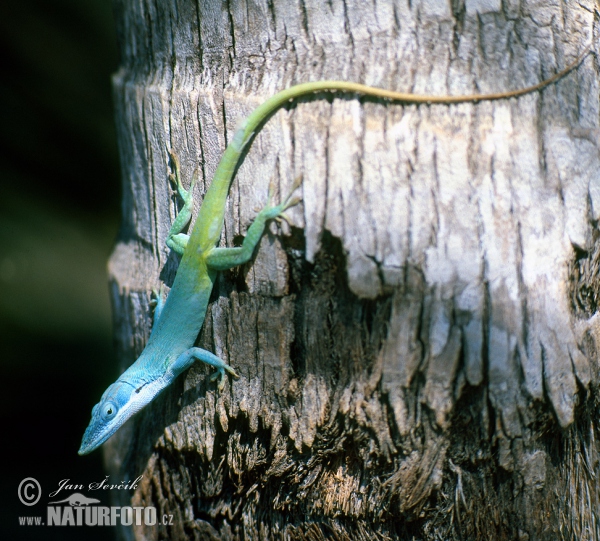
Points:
[170,349]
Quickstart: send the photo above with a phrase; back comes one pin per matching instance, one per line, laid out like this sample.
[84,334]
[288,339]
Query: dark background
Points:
[59,214]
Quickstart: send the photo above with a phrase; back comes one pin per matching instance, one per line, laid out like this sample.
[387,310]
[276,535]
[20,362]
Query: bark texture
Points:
[419,353]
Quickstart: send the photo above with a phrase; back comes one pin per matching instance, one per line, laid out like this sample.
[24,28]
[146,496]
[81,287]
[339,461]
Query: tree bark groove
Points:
[419,352]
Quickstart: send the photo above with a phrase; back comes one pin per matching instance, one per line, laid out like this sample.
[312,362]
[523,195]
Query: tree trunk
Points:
[418,355]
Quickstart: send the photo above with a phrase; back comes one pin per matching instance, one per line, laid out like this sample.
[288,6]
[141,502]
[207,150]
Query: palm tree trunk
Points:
[418,353]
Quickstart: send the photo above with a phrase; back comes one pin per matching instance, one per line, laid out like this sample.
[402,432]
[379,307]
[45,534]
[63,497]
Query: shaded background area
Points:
[59,212]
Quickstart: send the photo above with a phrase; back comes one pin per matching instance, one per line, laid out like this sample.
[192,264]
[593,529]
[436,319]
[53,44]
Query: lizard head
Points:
[118,403]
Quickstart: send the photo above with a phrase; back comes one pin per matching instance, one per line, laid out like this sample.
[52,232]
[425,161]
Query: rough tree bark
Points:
[418,353]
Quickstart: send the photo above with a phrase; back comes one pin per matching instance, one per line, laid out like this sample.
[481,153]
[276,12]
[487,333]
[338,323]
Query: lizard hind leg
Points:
[176,240]
[220,259]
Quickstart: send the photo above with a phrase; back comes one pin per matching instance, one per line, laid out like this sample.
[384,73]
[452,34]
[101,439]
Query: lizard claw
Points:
[284,218]
[289,201]
[293,201]
[296,184]
[174,175]
[220,375]
[271,192]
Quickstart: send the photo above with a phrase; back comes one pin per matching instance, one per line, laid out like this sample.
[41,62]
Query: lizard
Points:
[178,320]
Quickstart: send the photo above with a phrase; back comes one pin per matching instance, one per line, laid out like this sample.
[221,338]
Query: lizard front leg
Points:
[188,357]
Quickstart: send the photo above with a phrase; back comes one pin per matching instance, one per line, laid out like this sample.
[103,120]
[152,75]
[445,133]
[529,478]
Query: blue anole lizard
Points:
[177,322]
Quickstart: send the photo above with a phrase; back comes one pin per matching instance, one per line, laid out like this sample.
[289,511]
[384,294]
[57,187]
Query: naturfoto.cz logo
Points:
[80,510]
[85,515]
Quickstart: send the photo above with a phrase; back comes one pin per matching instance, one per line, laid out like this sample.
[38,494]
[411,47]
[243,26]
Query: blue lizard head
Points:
[118,403]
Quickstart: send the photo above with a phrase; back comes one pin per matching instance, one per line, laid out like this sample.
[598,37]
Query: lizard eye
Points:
[108,410]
